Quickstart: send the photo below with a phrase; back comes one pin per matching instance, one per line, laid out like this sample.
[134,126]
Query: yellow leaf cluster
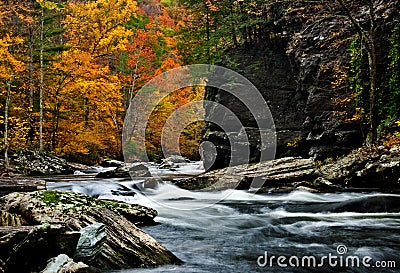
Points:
[8,62]
[97,26]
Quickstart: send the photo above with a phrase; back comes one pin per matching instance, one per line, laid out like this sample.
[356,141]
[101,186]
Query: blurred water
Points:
[227,231]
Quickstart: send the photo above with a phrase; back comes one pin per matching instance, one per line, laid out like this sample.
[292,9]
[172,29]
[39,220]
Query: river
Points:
[237,231]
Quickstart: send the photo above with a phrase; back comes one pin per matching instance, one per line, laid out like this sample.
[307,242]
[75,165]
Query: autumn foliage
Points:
[78,64]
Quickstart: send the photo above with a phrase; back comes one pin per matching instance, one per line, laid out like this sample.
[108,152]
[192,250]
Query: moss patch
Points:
[49,197]
[111,204]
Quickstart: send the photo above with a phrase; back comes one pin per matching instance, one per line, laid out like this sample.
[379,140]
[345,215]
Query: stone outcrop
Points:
[57,221]
[272,176]
[374,167]
[303,114]
[367,168]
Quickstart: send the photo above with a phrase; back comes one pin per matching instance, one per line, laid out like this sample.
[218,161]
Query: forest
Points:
[69,68]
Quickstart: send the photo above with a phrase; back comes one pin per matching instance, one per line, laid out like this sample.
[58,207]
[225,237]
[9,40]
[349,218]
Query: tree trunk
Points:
[86,111]
[233,31]
[31,86]
[7,106]
[41,81]
[369,36]
[373,93]
[56,115]
[208,35]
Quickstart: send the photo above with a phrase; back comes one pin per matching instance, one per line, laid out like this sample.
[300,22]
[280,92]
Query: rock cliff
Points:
[297,74]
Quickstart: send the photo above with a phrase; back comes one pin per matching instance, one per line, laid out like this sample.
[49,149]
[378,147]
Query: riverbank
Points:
[367,168]
[62,217]
[35,163]
[37,226]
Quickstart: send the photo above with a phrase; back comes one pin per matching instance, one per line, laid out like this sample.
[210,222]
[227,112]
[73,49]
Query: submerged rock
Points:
[173,162]
[121,244]
[111,163]
[369,204]
[127,170]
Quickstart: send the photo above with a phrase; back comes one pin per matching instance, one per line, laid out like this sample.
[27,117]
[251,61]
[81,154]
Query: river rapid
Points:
[238,231]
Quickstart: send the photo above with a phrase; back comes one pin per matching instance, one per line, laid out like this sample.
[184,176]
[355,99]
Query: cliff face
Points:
[299,72]
[302,110]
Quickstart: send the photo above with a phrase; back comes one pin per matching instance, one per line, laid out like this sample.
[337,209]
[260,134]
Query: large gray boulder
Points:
[274,175]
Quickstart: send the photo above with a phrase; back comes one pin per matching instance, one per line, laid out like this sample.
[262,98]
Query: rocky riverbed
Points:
[44,230]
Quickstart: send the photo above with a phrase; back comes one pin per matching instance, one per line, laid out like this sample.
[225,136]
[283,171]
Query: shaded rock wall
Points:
[296,73]
[303,112]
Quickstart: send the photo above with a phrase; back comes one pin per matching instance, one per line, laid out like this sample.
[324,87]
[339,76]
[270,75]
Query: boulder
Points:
[34,163]
[383,173]
[27,248]
[267,176]
[64,264]
[177,159]
[173,161]
[79,166]
[111,163]
[91,241]
[118,243]
[126,170]
[366,167]
[139,170]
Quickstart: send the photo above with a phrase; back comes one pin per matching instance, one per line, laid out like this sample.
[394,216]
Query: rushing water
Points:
[229,231]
